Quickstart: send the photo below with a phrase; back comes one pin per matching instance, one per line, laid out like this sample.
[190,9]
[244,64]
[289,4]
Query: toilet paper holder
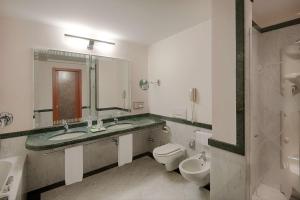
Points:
[166,129]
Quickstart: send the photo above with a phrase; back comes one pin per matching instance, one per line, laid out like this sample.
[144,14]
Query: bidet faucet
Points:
[115,116]
[116,120]
[65,124]
[203,156]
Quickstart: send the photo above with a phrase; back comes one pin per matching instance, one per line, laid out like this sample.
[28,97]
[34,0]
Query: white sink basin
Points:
[66,136]
[119,126]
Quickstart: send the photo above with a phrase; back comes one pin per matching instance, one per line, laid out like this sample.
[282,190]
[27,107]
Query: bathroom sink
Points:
[119,126]
[65,136]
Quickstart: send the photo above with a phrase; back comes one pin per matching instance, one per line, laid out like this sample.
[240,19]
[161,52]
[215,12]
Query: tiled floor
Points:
[144,179]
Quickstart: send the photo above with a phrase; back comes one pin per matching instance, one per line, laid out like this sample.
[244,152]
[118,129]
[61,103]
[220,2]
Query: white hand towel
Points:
[125,149]
[73,165]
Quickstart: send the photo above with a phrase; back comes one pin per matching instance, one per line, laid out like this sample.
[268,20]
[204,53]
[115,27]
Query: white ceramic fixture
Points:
[196,169]
[66,136]
[170,155]
[119,126]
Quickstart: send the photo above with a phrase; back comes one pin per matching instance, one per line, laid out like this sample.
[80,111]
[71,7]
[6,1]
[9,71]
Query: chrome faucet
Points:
[203,156]
[65,124]
[115,116]
[116,120]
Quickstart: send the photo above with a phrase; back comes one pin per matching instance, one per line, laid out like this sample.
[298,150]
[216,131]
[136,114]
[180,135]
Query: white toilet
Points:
[170,155]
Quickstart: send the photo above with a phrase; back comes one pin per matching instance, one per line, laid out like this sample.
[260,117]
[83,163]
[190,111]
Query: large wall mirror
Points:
[61,87]
[113,93]
[72,87]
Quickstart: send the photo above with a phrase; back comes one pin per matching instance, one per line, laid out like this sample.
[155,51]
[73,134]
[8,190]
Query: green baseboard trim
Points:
[227,147]
[183,121]
[276,26]
[74,125]
[113,108]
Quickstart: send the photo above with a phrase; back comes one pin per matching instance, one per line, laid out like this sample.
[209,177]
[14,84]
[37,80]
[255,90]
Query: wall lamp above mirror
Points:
[91,41]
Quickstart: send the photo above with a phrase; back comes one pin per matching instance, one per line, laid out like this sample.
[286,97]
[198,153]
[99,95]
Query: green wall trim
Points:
[56,128]
[113,108]
[183,121]
[276,26]
[80,124]
[226,146]
[239,148]
[256,26]
[281,25]
[38,130]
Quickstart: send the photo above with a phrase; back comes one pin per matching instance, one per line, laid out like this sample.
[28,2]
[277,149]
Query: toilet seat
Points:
[168,149]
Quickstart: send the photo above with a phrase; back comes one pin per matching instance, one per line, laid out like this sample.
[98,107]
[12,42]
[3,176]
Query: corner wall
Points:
[181,62]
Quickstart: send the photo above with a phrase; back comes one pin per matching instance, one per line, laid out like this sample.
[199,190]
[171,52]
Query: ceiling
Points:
[271,12]
[140,21]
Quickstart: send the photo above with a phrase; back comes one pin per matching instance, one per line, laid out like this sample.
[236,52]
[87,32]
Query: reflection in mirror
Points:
[61,87]
[112,87]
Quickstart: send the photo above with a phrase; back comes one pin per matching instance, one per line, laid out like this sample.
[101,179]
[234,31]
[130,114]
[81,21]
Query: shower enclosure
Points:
[275,115]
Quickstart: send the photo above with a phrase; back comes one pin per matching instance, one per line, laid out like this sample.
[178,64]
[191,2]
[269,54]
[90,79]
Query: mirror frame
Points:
[97,109]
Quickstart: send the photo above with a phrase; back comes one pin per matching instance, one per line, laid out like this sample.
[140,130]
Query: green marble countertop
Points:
[41,141]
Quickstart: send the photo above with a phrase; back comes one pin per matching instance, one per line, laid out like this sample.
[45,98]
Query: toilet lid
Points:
[167,149]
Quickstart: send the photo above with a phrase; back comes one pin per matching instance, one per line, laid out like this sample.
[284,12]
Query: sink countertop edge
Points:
[43,147]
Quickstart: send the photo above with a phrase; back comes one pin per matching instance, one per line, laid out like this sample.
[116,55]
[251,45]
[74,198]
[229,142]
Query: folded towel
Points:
[125,149]
[73,164]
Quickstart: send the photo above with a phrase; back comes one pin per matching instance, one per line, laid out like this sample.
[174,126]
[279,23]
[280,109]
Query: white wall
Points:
[181,62]
[223,71]
[229,177]
[16,62]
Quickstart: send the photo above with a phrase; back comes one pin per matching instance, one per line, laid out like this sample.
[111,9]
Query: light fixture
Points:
[91,41]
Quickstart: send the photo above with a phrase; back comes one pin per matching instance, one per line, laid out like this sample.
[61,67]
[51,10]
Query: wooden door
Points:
[67,99]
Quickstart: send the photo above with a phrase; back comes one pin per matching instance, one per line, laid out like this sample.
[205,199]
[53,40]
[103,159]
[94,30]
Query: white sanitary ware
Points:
[73,164]
[196,169]
[12,175]
[119,126]
[66,136]
[125,149]
[170,155]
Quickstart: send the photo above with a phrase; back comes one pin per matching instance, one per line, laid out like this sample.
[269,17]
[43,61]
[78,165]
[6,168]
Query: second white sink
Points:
[119,126]
[66,136]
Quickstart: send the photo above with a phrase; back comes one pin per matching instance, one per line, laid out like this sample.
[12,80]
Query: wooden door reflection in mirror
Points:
[66,85]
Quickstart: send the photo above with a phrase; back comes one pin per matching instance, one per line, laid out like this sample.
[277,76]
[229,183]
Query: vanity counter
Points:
[42,141]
